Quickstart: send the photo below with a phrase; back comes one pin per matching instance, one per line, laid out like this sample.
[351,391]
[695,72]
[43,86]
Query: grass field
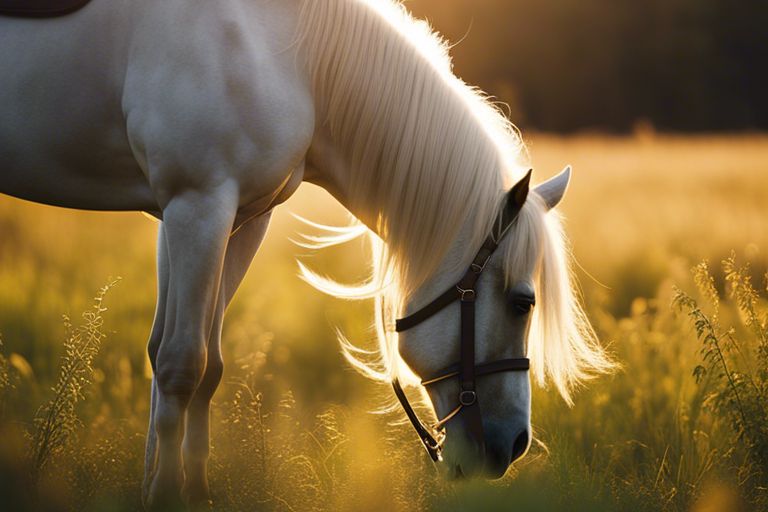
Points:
[292,429]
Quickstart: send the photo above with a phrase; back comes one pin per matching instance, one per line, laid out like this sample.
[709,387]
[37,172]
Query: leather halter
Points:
[467,370]
[40,8]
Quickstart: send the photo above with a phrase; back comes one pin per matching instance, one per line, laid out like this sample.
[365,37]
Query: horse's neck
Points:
[327,167]
[399,141]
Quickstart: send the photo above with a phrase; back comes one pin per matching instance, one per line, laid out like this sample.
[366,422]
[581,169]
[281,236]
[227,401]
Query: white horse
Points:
[209,114]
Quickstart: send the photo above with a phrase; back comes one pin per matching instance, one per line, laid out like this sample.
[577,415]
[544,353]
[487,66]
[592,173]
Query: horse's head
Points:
[484,404]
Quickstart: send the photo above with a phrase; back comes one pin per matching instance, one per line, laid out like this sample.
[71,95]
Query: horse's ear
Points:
[519,193]
[553,190]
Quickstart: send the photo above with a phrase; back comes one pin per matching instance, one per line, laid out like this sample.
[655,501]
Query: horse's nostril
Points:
[520,445]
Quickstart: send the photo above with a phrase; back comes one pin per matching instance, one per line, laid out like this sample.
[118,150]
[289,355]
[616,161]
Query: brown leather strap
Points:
[40,8]
[431,444]
[467,355]
[450,296]
[467,282]
[468,394]
[466,369]
[503,365]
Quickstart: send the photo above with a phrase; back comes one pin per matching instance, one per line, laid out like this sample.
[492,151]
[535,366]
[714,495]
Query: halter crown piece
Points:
[466,369]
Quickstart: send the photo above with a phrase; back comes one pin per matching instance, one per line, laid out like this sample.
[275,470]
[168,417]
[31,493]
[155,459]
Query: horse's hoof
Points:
[165,498]
[199,499]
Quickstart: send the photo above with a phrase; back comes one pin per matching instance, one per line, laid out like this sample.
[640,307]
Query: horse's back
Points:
[82,95]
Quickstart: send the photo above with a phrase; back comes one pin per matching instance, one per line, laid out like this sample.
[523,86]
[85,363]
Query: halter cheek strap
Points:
[465,291]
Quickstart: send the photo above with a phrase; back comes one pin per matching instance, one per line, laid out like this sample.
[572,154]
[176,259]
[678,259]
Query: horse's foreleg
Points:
[197,226]
[163,276]
[240,251]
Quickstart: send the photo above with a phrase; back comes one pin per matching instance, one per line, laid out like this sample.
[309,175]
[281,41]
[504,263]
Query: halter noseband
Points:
[467,370]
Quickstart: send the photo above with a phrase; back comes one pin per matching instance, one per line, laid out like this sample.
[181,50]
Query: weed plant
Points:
[733,372]
[680,428]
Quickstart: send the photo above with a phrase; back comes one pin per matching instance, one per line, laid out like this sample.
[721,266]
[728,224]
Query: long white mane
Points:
[430,153]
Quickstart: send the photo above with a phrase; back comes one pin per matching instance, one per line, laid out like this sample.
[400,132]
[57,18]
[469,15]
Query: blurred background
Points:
[569,65]
[659,107]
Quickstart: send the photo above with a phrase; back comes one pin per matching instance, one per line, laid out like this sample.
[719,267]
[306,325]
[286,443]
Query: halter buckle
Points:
[435,450]
[478,268]
[467,398]
[467,295]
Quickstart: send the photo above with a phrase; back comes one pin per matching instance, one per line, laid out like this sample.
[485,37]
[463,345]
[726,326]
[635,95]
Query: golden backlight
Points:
[292,425]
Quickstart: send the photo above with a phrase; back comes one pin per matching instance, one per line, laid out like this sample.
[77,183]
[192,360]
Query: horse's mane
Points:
[429,154]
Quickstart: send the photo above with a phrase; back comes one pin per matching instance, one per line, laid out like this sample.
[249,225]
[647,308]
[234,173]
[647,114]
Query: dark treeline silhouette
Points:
[565,65]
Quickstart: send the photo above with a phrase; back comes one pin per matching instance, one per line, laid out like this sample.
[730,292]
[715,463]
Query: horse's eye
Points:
[523,305]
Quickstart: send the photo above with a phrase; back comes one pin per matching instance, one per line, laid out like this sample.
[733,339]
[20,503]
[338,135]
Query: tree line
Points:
[567,65]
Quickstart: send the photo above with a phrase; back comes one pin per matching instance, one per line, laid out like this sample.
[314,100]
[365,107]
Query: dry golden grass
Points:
[291,429]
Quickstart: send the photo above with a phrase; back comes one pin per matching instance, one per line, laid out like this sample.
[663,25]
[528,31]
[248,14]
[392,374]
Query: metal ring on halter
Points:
[467,295]
[467,397]
[435,444]
[439,437]
[478,268]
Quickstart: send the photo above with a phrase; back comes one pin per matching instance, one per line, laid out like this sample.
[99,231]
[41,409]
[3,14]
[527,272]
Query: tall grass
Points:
[56,422]
[733,373]
[7,378]
[291,425]
[275,456]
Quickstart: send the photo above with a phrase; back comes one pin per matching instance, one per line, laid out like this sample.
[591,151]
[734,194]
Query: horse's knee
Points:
[180,368]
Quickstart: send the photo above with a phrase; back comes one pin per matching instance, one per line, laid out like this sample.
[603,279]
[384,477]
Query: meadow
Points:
[682,426]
